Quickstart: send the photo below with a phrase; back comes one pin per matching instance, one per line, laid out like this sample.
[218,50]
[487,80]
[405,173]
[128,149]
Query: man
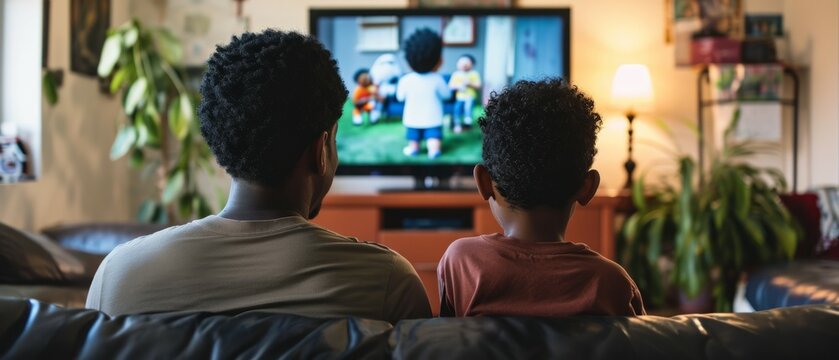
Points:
[269,112]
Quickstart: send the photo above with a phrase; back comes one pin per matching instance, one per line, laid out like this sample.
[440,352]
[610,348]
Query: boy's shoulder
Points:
[467,243]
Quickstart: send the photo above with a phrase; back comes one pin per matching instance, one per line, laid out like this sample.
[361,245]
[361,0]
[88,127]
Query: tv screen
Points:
[391,122]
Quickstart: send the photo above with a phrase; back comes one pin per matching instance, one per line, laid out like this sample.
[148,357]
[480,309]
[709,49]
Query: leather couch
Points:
[58,265]
[31,330]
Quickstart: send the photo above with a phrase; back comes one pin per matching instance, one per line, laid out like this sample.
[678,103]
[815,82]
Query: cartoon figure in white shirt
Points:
[423,92]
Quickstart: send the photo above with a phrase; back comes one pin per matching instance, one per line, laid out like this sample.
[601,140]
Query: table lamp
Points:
[632,90]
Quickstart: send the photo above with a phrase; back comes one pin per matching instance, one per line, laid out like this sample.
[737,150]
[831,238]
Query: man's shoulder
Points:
[355,243]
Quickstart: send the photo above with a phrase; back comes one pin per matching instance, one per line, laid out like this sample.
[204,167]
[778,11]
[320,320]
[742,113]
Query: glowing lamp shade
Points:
[631,87]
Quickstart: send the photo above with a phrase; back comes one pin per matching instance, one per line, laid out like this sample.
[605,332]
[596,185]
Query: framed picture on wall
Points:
[89,23]
[458,31]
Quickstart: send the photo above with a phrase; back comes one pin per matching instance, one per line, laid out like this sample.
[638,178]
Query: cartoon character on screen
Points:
[466,82]
[385,73]
[423,92]
[364,98]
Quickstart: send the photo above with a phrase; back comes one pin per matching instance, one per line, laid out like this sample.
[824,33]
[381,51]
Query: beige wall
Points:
[814,40]
[79,182]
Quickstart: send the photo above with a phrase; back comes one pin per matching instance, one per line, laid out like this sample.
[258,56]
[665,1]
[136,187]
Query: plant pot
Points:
[702,303]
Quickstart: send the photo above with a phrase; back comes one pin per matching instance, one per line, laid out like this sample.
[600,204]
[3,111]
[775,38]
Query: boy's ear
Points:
[589,188]
[320,151]
[484,182]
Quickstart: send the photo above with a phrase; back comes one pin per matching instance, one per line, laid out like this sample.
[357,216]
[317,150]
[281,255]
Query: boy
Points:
[466,81]
[538,148]
[423,92]
[364,98]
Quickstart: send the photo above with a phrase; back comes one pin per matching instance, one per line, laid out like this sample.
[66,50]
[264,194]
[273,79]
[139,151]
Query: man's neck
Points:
[251,201]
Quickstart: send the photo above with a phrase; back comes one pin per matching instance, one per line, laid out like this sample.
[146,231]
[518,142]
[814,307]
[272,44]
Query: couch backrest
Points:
[98,238]
[30,329]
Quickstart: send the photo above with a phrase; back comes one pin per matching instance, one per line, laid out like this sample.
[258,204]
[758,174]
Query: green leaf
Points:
[176,123]
[169,47]
[185,204]
[638,196]
[147,211]
[137,158]
[654,248]
[117,80]
[136,94]
[630,227]
[787,239]
[174,185]
[187,109]
[203,210]
[123,141]
[49,87]
[130,37]
[110,54]
[142,130]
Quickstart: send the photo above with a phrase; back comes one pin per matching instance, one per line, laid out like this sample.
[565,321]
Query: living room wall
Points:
[79,182]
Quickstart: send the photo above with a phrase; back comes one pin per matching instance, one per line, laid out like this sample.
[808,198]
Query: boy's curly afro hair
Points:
[265,98]
[539,141]
[423,50]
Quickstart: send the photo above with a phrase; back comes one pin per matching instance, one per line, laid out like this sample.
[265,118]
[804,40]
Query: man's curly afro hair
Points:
[265,98]
[423,50]
[539,141]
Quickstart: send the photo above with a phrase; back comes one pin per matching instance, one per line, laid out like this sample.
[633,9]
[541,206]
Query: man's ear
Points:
[589,188]
[320,149]
[484,182]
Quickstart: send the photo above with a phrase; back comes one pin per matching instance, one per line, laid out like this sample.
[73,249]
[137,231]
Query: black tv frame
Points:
[442,171]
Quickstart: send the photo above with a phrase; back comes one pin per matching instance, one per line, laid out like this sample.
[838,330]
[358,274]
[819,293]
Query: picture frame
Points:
[201,25]
[764,25]
[89,23]
[458,31]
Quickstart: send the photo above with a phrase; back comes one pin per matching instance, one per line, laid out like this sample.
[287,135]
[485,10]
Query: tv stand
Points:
[420,225]
[432,184]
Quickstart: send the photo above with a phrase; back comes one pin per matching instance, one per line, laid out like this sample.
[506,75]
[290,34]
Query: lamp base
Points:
[629,165]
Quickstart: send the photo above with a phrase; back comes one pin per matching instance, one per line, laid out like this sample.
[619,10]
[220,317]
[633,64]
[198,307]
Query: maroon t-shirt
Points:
[498,275]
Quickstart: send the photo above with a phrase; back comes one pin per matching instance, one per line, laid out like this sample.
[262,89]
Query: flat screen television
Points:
[502,45]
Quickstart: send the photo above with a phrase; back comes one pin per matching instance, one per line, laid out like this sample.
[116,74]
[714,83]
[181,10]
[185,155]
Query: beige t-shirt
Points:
[287,265]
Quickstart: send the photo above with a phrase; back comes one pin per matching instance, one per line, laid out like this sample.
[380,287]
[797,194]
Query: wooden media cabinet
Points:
[421,225]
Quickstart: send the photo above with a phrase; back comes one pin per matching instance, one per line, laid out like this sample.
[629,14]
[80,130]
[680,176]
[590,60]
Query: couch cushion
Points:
[27,258]
[807,332]
[34,330]
[797,283]
[30,330]
[99,238]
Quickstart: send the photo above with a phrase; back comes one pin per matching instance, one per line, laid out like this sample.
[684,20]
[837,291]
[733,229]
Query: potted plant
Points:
[714,225]
[160,130]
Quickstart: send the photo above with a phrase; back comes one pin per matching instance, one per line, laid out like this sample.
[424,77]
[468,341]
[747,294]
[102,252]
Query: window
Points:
[20,79]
